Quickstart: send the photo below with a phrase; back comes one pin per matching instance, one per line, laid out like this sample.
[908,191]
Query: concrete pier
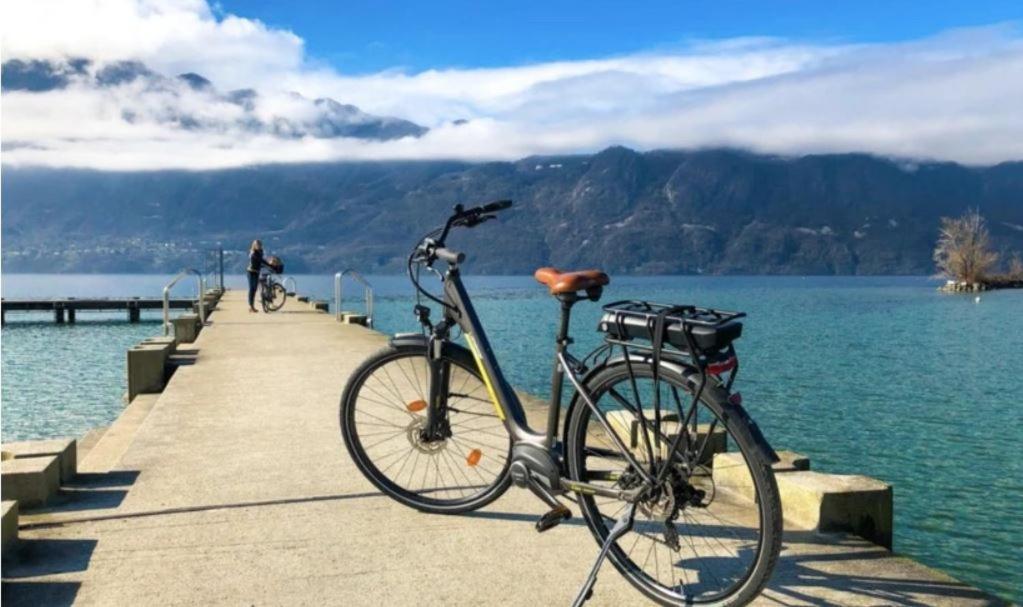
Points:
[65,309]
[232,487]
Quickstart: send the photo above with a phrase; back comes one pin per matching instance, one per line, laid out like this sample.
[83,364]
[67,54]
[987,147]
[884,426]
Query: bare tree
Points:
[964,250]
[1016,267]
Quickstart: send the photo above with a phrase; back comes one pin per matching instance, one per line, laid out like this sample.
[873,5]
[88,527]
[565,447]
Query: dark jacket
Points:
[256,262]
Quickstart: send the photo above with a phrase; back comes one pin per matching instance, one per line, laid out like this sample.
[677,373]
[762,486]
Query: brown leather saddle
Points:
[560,283]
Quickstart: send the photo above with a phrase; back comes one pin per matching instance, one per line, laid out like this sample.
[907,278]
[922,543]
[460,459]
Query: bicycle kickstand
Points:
[622,526]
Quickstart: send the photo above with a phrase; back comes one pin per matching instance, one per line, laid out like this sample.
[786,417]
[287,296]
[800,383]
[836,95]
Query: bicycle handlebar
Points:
[431,247]
[497,205]
[466,218]
[448,255]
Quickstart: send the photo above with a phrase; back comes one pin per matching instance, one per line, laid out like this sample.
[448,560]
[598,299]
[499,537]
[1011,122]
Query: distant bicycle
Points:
[672,476]
[272,293]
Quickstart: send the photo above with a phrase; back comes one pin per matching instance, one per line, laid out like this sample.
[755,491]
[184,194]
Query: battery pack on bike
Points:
[703,334]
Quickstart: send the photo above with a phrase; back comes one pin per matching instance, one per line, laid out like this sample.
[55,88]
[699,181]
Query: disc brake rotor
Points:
[414,433]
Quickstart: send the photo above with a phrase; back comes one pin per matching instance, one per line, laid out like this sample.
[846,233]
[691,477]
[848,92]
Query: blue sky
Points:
[359,37]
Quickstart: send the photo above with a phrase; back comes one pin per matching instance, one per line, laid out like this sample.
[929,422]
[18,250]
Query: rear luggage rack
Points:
[710,330]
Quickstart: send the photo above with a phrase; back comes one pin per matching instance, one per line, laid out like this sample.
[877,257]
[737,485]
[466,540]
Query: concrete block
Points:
[731,473]
[319,304]
[303,298]
[838,502]
[816,501]
[162,339]
[627,426]
[65,449]
[31,480]
[9,527]
[186,328]
[356,319]
[146,364]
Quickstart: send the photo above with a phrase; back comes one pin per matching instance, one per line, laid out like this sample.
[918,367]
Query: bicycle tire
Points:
[766,502]
[495,482]
[264,301]
[278,295]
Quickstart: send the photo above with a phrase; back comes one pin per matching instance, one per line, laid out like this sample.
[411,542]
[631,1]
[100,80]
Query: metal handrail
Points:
[367,293]
[213,267]
[294,285]
[166,297]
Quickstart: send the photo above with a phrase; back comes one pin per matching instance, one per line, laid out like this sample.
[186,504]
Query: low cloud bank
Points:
[954,96]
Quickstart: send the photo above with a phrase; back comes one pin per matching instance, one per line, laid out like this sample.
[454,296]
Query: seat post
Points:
[566,314]
[558,374]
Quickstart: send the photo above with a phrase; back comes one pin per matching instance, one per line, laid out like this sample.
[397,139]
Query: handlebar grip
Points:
[497,205]
[449,256]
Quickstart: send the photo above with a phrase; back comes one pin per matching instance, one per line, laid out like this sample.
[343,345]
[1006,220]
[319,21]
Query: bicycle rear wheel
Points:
[383,411]
[702,537]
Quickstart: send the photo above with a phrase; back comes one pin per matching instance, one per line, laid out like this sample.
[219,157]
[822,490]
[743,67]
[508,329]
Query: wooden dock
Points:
[65,309]
[232,487]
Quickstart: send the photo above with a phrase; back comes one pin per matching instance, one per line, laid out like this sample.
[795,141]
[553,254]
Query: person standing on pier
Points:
[256,264]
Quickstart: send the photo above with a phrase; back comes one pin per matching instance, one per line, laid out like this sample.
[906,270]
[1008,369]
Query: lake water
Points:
[876,376]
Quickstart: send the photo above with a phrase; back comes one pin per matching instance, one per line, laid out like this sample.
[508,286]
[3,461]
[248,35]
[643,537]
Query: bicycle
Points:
[272,294]
[435,426]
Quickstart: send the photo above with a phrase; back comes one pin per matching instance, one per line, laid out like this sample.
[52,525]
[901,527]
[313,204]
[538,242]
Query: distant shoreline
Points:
[994,284]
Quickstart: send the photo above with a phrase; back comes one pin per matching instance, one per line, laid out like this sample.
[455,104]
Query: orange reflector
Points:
[474,457]
[416,405]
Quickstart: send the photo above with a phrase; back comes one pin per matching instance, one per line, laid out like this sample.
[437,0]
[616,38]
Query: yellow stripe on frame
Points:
[483,372]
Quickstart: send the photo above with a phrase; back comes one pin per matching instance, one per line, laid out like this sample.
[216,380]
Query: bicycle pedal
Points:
[553,518]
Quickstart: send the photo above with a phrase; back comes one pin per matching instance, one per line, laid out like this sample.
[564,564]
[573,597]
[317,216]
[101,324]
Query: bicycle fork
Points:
[437,425]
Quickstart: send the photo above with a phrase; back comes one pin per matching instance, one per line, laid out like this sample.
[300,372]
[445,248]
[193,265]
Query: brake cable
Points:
[414,275]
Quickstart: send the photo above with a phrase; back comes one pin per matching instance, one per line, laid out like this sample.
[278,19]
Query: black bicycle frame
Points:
[458,309]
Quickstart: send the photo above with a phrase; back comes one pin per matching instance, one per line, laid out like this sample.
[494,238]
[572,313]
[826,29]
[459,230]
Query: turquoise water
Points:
[63,380]
[876,376]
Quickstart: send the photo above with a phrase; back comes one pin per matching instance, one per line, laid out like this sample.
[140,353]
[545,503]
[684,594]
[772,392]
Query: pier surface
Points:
[233,487]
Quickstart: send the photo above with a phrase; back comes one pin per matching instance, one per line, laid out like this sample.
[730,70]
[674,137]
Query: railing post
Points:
[337,296]
[202,299]
[369,306]
[367,293]
[220,263]
[166,297]
[166,305]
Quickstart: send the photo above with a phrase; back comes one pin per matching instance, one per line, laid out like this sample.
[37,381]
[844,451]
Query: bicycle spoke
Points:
[701,550]
[449,469]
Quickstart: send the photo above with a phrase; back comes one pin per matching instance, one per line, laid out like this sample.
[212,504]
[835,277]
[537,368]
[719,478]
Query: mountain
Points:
[710,211]
[191,102]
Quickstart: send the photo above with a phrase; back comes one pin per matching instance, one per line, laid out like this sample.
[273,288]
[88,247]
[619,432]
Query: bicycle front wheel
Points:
[711,534]
[383,413]
[278,295]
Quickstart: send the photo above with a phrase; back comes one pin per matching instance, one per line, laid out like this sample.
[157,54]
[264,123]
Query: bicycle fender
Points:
[770,455]
[409,340]
[421,342]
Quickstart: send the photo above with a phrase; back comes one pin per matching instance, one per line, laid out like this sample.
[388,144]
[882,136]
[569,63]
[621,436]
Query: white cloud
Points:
[170,36]
[953,97]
